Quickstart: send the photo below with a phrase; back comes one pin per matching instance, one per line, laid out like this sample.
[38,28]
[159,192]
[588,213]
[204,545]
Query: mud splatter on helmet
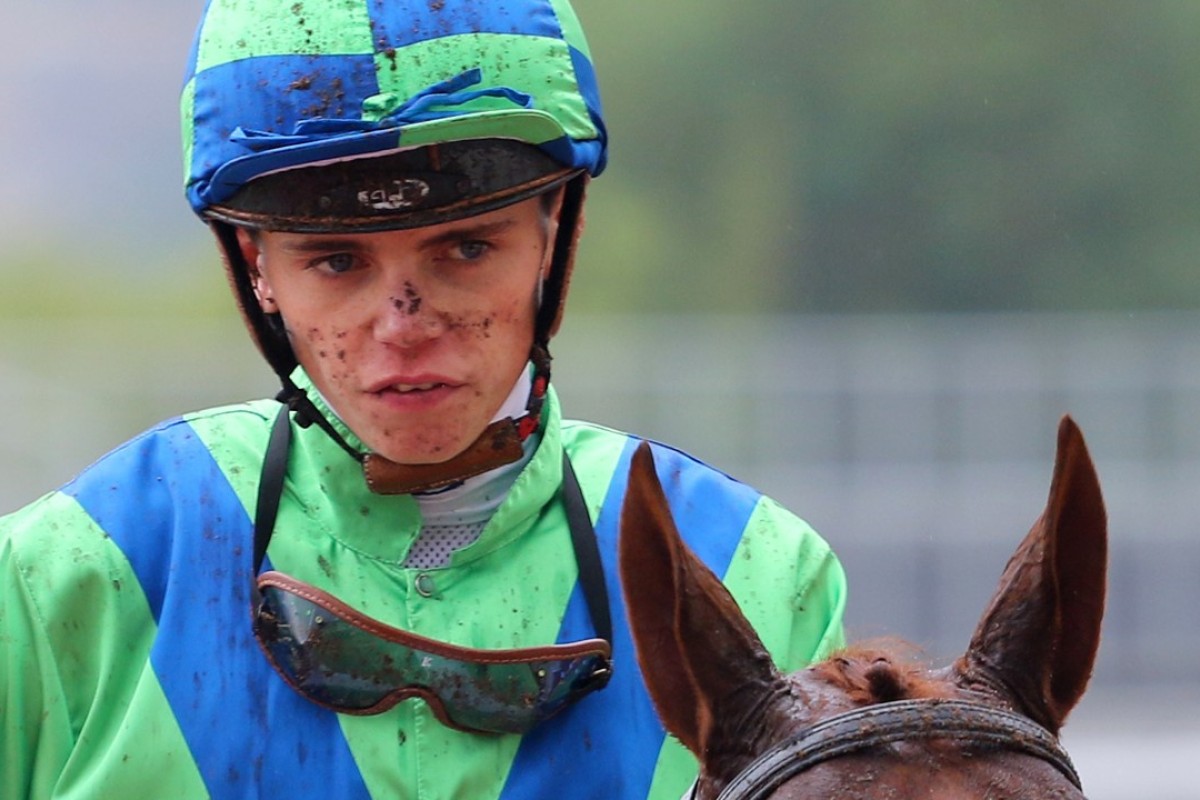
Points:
[280,84]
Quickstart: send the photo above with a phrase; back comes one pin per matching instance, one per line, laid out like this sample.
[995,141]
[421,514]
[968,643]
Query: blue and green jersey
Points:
[128,667]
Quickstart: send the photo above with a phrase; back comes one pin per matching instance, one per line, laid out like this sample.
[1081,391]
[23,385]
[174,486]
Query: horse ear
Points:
[1038,639]
[696,650]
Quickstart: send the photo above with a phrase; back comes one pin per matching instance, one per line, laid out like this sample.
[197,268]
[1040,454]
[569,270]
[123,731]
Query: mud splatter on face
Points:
[480,326]
[411,302]
[317,337]
[338,375]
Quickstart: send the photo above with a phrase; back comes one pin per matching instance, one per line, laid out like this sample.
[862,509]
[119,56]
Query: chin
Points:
[425,452]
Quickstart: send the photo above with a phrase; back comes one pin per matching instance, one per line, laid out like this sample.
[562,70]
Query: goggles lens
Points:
[343,660]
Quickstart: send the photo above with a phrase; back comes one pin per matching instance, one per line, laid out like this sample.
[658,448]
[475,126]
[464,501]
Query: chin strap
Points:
[499,445]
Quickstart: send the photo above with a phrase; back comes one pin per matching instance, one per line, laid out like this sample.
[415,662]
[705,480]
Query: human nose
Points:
[406,319]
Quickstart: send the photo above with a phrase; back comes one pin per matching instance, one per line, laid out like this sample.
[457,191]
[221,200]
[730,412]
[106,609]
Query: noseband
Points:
[959,721]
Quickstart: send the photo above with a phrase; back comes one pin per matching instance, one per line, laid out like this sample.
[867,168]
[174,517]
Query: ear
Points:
[698,655]
[253,255]
[551,213]
[1038,639]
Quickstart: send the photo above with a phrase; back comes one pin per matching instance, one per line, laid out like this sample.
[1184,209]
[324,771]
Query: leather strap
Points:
[960,721]
[498,445]
[587,552]
[270,484]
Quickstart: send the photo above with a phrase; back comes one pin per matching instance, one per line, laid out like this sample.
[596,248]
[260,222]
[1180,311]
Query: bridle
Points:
[959,721]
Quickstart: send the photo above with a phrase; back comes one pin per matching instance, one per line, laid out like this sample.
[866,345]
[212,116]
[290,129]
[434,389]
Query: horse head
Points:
[870,722]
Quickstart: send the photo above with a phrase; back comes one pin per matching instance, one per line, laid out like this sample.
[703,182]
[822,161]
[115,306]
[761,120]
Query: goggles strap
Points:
[587,552]
[307,414]
[270,484]
[579,522]
[554,287]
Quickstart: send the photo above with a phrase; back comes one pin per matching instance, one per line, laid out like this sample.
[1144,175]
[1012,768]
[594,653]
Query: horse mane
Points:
[881,671]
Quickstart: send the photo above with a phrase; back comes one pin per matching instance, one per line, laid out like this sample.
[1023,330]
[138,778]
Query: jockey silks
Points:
[129,667]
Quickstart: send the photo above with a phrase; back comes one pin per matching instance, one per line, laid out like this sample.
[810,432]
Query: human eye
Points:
[334,263]
[470,249]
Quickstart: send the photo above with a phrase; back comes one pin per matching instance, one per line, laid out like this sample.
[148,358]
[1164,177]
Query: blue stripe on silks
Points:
[399,24]
[130,500]
[248,91]
[165,502]
[610,740]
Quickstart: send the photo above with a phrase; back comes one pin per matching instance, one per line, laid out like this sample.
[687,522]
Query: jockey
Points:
[398,578]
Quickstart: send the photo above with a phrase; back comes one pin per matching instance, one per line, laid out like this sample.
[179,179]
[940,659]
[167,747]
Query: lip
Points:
[421,382]
[420,393]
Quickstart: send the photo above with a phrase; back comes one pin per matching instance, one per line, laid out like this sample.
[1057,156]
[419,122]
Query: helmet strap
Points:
[554,287]
[266,330]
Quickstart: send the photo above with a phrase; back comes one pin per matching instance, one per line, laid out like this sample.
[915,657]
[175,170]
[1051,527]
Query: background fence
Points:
[921,447]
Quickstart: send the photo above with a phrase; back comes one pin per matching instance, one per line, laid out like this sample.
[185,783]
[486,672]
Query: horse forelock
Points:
[881,672]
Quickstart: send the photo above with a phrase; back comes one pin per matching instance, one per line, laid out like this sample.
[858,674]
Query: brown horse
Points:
[868,723]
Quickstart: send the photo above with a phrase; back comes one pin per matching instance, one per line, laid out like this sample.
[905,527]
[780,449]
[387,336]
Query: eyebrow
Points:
[476,231]
[326,244]
[320,245]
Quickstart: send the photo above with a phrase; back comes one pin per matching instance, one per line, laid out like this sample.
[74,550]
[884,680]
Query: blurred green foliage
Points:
[860,156]
[829,156]
[42,286]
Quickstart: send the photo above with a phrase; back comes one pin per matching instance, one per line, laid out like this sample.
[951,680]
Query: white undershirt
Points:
[453,518]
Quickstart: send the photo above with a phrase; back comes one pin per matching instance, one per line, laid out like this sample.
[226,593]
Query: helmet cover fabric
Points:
[278,84]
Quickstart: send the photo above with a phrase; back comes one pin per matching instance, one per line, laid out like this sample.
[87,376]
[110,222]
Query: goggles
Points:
[343,660]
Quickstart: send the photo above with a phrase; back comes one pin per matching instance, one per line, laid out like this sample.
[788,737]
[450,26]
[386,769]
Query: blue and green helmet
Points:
[276,86]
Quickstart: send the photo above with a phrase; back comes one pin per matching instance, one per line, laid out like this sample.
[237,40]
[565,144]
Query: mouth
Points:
[412,388]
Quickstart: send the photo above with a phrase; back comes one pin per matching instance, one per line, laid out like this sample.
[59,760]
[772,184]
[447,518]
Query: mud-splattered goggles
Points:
[341,659]
[346,661]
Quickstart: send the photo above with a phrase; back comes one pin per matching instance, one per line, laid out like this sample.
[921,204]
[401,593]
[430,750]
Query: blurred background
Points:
[861,254]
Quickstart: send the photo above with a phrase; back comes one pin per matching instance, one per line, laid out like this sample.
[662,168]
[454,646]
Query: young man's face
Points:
[414,337]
